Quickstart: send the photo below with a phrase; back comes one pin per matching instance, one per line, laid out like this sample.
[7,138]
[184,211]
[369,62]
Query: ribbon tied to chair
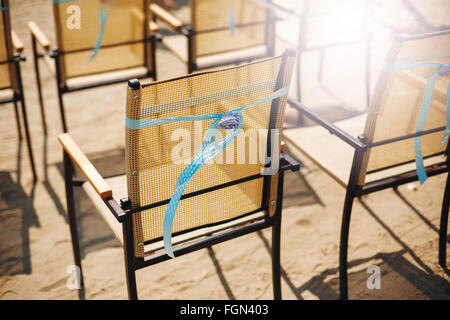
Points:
[103,19]
[442,70]
[2,8]
[232,120]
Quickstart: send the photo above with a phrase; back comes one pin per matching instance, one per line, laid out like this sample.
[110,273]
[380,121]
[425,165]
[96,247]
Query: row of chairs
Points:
[225,201]
[203,43]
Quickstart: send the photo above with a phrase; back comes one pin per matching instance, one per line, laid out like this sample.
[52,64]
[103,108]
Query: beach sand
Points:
[394,230]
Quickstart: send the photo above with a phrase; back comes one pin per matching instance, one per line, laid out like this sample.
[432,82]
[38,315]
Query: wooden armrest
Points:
[139,15]
[86,167]
[17,43]
[39,35]
[167,17]
[153,26]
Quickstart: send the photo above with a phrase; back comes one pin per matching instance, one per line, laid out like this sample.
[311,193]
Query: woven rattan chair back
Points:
[396,105]
[157,155]
[210,20]
[123,42]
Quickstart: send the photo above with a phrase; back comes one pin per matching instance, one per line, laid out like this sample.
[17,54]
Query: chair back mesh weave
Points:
[122,44]
[6,51]
[395,108]
[210,19]
[157,155]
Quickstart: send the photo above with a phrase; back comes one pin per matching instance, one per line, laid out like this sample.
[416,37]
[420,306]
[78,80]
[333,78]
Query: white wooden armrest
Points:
[17,42]
[39,35]
[139,15]
[166,16]
[153,26]
[86,167]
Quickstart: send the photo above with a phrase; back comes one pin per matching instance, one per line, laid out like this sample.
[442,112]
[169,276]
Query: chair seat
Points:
[119,186]
[328,151]
[178,45]
[335,156]
[105,76]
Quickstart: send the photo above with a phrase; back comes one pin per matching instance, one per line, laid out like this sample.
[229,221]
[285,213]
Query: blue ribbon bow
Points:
[231,120]
[440,70]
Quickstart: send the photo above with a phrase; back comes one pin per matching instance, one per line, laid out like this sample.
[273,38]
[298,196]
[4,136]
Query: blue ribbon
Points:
[232,120]
[103,20]
[232,20]
[2,8]
[442,70]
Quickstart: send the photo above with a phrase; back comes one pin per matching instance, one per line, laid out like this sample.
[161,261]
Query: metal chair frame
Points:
[190,33]
[123,213]
[38,37]
[354,190]
[18,94]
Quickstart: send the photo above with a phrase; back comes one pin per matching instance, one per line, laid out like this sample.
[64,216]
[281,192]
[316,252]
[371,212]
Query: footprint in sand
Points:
[303,223]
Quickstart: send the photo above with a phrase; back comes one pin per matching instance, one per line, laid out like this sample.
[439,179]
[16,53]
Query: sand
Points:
[395,230]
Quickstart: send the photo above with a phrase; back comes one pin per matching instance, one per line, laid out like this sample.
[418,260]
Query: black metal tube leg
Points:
[61,108]
[443,227]
[16,111]
[131,283]
[343,249]
[60,93]
[27,136]
[153,44]
[38,83]
[25,120]
[276,235]
[128,251]
[68,171]
[276,268]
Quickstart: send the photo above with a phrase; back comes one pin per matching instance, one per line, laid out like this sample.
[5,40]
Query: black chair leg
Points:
[61,108]
[16,111]
[276,235]
[131,282]
[38,83]
[443,227]
[343,249]
[25,118]
[276,268]
[68,171]
[128,253]
[27,136]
